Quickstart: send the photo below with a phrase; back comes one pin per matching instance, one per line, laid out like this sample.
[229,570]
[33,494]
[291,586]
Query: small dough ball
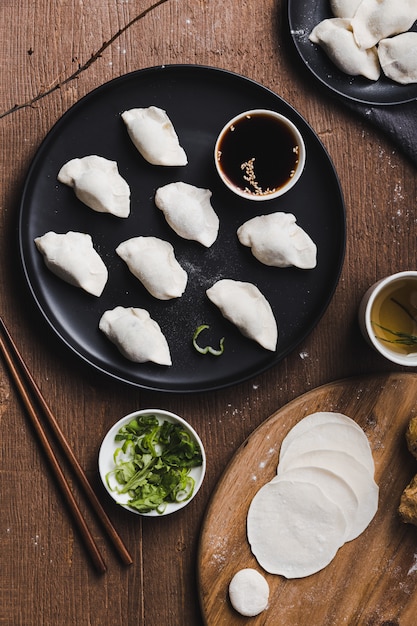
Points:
[249,592]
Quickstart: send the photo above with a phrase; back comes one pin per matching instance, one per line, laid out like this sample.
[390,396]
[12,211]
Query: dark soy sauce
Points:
[259,154]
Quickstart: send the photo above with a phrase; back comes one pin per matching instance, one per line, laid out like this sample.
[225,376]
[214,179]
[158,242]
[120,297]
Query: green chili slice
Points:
[207,349]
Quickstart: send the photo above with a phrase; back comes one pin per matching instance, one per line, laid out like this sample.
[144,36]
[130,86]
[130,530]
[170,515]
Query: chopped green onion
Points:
[153,463]
[207,349]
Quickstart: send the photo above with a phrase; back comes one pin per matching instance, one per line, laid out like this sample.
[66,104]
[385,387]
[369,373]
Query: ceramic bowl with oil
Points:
[388,317]
[260,154]
[113,454]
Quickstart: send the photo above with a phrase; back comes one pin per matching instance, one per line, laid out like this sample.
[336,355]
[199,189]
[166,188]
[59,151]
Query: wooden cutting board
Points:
[373,579]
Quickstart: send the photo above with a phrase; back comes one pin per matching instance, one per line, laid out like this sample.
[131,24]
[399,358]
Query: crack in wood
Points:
[85,66]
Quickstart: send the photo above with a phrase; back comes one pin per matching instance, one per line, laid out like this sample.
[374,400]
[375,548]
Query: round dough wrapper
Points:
[249,592]
[333,486]
[293,528]
[354,473]
[315,419]
[342,437]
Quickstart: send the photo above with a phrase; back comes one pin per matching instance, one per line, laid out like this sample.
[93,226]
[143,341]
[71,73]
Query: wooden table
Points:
[45,577]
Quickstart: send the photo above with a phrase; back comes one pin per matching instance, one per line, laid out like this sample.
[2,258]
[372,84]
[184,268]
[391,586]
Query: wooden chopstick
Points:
[12,354]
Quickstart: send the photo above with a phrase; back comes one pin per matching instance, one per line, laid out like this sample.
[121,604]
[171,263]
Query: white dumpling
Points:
[153,134]
[246,307]
[153,262]
[97,183]
[278,241]
[377,19]
[398,57]
[188,211]
[344,8]
[336,38]
[72,258]
[136,335]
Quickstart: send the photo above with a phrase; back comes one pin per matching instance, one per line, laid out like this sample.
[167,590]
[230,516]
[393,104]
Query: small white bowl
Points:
[369,316]
[257,148]
[109,445]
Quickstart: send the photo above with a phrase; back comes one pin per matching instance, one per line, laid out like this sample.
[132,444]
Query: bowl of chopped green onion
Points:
[152,462]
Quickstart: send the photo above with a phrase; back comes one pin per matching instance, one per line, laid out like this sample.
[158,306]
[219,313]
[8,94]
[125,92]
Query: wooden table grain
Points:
[52,54]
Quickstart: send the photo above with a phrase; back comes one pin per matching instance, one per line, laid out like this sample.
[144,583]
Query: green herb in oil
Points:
[394,314]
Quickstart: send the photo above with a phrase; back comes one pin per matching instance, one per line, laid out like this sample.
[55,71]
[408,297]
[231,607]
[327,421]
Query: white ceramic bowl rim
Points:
[301,161]
[108,445]
[374,291]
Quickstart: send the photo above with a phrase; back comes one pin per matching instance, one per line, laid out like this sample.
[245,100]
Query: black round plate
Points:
[199,100]
[303,16]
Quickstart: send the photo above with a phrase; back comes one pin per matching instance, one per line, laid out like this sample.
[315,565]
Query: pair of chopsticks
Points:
[25,385]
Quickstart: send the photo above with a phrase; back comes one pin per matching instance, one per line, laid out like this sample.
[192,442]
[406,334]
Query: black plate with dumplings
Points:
[303,16]
[199,101]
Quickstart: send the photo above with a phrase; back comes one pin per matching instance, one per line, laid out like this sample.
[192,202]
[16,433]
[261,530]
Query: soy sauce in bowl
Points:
[260,154]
